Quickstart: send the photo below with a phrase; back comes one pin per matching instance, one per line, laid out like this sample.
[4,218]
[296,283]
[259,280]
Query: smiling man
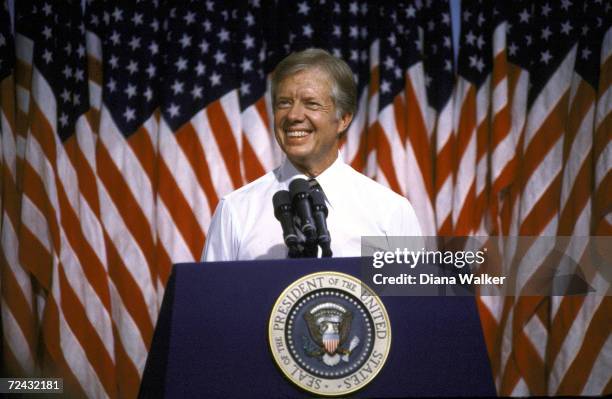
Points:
[314,99]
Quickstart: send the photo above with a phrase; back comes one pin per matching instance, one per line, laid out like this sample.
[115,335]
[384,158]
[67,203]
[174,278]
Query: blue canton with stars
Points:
[60,56]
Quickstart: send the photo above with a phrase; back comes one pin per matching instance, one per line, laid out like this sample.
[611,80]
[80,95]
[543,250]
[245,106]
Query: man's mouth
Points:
[297,133]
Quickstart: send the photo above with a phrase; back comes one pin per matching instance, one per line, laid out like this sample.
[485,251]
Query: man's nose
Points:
[296,112]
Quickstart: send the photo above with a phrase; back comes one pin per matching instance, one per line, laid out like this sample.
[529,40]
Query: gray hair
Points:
[343,88]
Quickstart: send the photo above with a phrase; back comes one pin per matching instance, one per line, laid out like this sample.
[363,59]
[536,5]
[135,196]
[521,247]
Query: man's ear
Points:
[345,121]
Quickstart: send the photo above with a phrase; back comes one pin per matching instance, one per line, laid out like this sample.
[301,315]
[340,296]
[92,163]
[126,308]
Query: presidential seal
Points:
[329,333]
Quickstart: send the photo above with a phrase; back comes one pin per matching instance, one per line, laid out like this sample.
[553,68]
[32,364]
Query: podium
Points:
[211,338]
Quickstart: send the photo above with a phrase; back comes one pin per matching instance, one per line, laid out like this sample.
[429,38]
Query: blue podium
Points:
[211,338]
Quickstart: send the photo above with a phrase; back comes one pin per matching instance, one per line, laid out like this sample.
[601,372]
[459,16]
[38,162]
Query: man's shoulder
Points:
[370,188]
[257,188]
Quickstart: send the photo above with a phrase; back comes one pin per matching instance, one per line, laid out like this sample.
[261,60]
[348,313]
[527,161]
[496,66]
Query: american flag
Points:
[124,123]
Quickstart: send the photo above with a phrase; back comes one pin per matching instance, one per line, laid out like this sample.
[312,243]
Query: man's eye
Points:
[312,105]
[282,104]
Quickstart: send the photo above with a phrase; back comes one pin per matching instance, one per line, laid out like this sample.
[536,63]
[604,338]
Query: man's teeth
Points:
[297,133]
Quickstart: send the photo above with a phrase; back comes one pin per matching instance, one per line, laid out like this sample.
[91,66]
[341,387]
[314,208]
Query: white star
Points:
[470,38]
[250,19]
[354,55]
[480,42]
[565,4]
[397,72]
[196,92]
[189,18]
[130,90]
[204,46]
[47,9]
[153,48]
[79,75]
[336,52]
[447,42]
[148,93]
[223,35]
[481,19]
[248,41]
[392,40]
[354,32]
[47,56]
[445,18]
[473,60]
[68,49]
[67,72]
[181,64]
[585,30]
[545,57]
[118,14]
[528,39]
[137,19]
[132,67]
[410,12]
[115,38]
[95,21]
[76,99]
[448,66]
[307,30]
[185,41]
[245,88]
[524,15]
[336,8]
[134,43]
[546,9]
[215,79]
[354,8]
[364,32]
[546,33]
[431,26]
[566,27]
[65,95]
[385,87]
[81,50]
[220,57]
[47,32]
[303,8]
[200,69]
[364,8]
[246,65]
[173,110]
[177,87]
[151,70]
[466,16]
[389,62]
[207,25]
[586,53]
[337,31]
[512,49]
[419,45]
[154,25]
[112,85]
[63,119]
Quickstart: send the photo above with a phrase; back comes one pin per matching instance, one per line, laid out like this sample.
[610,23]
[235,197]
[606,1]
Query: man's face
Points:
[305,121]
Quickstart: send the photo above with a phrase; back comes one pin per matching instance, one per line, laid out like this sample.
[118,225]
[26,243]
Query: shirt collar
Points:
[329,180]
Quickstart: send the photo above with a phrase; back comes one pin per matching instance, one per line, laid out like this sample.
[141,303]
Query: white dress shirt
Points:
[244,227]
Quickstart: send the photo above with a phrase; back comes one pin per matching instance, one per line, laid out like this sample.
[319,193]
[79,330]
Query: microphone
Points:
[299,189]
[283,212]
[320,216]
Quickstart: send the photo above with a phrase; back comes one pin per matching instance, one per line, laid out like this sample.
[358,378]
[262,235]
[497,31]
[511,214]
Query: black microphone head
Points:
[280,199]
[298,186]
[318,200]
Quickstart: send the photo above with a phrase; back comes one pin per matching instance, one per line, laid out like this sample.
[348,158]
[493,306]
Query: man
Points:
[314,99]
